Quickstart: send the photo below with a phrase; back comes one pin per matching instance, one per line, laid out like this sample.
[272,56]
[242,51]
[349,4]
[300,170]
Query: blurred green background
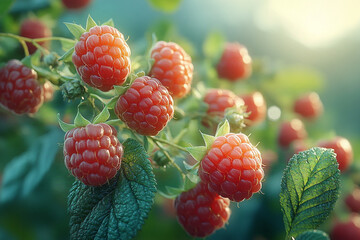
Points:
[317,39]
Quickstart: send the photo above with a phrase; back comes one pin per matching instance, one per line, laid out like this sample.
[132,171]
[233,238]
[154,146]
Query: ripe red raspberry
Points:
[173,68]
[20,91]
[201,212]
[232,167]
[75,4]
[35,28]
[291,131]
[235,62]
[353,200]
[146,106]
[48,91]
[309,105]
[256,106]
[102,57]
[93,153]
[343,150]
[220,99]
[349,230]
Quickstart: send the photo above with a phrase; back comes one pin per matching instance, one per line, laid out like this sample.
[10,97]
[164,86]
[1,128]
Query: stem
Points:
[168,143]
[32,40]
[26,50]
[169,157]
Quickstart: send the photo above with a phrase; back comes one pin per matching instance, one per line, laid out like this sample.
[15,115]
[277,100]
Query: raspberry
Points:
[75,4]
[93,153]
[173,68]
[201,212]
[235,63]
[34,28]
[146,106]
[232,167]
[353,200]
[20,91]
[220,99]
[343,150]
[102,57]
[309,105]
[349,230]
[256,106]
[48,91]
[291,131]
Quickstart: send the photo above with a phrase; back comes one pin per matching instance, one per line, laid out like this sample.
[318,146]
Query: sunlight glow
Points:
[314,23]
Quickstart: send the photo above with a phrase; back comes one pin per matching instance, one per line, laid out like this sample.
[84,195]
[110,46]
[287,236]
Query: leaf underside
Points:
[116,210]
[309,190]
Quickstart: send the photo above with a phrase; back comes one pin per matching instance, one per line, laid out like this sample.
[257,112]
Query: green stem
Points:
[34,41]
[168,143]
[26,50]
[169,157]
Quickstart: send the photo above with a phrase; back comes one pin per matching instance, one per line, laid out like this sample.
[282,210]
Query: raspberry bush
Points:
[155,144]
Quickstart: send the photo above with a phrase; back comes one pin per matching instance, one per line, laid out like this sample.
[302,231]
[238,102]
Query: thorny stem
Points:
[168,143]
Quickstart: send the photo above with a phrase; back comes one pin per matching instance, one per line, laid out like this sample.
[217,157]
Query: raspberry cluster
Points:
[173,67]
[93,153]
[20,90]
[146,106]
[102,57]
[232,167]
[201,212]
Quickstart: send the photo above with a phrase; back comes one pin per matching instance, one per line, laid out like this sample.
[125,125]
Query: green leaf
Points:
[26,171]
[75,29]
[90,23]
[214,46]
[63,125]
[120,90]
[172,191]
[165,5]
[103,116]
[66,57]
[223,128]
[208,139]
[197,152]
[309,190]
[109,22]
[116,210]
[5,6]
[313,235]
[80,121]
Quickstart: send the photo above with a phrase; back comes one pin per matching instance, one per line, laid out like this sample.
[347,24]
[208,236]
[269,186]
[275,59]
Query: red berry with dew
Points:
[200,211]
[291,131]
[235,63]
[343,150]
[146,107]
[102,57]
[309,106]
[173,67]
[20,90]
[93,153]
[35,28]
[232,167]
